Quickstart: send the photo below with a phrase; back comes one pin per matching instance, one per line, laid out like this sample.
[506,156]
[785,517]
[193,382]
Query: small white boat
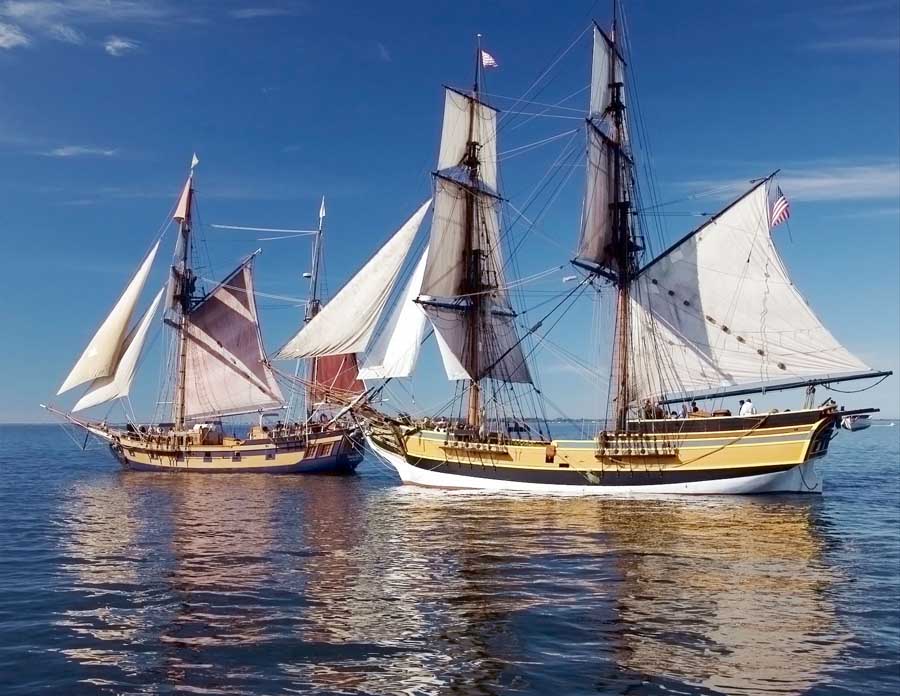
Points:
[859,422]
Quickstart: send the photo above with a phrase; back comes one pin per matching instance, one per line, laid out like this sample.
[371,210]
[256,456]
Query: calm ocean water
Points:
[117,583]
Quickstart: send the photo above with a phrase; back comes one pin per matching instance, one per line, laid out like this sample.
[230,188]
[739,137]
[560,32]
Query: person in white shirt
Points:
[748,409]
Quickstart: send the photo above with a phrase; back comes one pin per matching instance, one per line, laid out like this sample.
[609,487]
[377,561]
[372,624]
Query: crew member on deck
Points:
[748,409]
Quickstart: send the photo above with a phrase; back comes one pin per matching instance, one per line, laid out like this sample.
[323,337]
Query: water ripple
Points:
[126,583]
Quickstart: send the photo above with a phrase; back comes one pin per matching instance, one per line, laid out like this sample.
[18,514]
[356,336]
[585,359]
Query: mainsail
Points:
[103,353]
[396,350]
[719,309]
[225,368]
[118,385]
[346,323]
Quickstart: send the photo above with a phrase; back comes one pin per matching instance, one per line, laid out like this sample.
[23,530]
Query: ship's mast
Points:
[184,297]
[472,256]
[313,304]
[624,247]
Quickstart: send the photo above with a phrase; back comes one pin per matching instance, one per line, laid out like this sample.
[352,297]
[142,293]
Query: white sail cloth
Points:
[596,221]
[396,350]
[607,67]
[720,310]
[597,232]
[346,323]
[118,385]
[445,271]
[499,352]
[225,370]
[456,134]
[105,349]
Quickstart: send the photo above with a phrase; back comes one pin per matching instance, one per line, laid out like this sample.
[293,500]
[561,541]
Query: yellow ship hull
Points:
[332,451]
[717,455]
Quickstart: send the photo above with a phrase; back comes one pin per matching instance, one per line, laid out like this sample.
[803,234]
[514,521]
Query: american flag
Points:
[487,60]
[781,209]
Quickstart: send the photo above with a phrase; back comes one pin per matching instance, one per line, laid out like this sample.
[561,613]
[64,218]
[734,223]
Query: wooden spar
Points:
[624,247]
[312,305]
[472,257]
[762,389]
[185,290]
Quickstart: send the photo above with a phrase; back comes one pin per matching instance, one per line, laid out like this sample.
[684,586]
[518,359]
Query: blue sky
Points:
[102,103]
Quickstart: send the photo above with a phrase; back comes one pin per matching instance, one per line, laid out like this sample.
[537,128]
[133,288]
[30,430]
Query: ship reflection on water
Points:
[262,584]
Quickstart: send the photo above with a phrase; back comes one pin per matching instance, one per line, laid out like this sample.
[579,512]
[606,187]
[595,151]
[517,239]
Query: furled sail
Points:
[719,310]
[597,234]
[225,369]
[118,385]
[346,323]
[103,353]
[396,350]
[499,352]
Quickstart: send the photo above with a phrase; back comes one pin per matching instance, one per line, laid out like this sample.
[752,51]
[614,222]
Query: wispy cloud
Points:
[46,13]
[867,44]
[826,182]
[119,45]
[22,22]
[262,12]
[66,34]
[11,36]
[80,151]
[383,53]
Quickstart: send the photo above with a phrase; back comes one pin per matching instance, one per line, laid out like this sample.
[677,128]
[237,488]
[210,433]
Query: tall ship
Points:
[215,368]
[713,316]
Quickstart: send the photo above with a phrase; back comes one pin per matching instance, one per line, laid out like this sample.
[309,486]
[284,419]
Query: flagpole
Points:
[477,62]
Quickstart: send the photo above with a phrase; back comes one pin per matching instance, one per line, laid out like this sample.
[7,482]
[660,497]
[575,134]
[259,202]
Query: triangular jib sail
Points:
[396,350]
[719,310]
[346,323]
[118,385]
[105,349]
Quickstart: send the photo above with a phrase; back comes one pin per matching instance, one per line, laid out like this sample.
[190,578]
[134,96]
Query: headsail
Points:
[118,385]
[396,350]
[346,323]
[103,353]
[719,310]
[226,371]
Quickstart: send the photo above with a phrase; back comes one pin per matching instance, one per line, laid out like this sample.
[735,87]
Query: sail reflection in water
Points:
[355,587]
